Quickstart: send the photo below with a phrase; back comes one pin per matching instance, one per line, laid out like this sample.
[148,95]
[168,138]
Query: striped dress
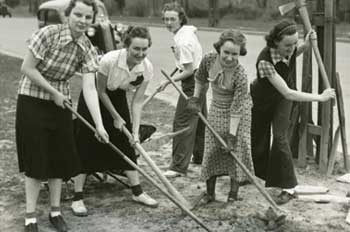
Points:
[230,97]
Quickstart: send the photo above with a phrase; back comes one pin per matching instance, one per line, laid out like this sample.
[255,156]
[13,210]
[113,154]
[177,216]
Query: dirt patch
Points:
[110,205]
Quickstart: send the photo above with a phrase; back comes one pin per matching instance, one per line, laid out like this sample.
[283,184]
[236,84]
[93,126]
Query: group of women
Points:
[49,148]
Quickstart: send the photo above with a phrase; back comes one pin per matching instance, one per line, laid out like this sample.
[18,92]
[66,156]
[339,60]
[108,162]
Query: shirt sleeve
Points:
[90,64]
[105,65]
[240,94]
[39,42]
[266,69]
[149,73]
[185,54]
[202,72]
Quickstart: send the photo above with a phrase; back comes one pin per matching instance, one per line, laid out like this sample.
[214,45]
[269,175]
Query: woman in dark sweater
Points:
[272,92]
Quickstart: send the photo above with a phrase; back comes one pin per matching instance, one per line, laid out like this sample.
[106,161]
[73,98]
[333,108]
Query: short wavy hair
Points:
[72,4]
[174,6]
[235,37]
[137,32]
[279,31]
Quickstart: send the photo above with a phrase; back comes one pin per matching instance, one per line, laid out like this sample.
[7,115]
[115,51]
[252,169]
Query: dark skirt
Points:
[99,157]
[45,139]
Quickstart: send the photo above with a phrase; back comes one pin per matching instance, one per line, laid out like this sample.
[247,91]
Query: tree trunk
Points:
[213,13]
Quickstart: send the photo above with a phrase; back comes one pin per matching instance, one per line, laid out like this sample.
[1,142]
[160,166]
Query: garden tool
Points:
[278,214]
[140,170]
[150,97]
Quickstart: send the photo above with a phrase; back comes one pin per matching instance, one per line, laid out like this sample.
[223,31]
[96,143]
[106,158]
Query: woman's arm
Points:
[29,69]
[106,101]
[136,109]
[294,95]
[306,44]
[187,72]
[91,99]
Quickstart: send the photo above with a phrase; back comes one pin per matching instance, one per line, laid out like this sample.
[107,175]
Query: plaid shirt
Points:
[60,56]
[266,69]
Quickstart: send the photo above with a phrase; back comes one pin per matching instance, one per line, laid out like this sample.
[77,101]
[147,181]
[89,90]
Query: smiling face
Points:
[172,21]
[137,50]
[287,45]
[80,18]
[229,53]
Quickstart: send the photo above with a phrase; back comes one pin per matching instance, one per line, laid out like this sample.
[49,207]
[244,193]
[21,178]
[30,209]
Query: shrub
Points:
[12,3]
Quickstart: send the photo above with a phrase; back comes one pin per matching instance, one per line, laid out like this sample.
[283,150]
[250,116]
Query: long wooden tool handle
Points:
[143,173]
[155,168]
[306,20]
[341,117]
[150,97]
[276,209]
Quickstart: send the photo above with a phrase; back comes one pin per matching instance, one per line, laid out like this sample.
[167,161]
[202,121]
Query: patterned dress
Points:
[230,98]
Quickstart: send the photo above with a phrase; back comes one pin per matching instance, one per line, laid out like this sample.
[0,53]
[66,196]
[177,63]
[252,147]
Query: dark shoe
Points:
[233,196]
[31,227]
[58,222]
[208,199]
[283,198]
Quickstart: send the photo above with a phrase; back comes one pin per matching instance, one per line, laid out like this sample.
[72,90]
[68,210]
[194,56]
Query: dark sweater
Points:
[264,94]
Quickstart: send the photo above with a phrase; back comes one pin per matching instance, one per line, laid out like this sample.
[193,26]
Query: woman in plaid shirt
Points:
[272,92]
[44,130]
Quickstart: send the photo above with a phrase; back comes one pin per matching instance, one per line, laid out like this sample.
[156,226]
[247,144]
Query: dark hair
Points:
[236,37]
[72,4]
[174,6]
[137,32]
[279,31]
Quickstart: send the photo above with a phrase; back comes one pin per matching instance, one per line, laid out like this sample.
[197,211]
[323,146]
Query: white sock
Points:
[55,214]
[29,220]
[290,191]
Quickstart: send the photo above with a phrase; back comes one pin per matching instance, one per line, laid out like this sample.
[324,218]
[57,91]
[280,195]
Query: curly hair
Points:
[236,37]
[137,32]
[174,6]
[279,31]
[72,4]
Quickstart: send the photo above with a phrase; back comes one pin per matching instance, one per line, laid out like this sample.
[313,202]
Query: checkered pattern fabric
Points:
[60,56]
[266,69]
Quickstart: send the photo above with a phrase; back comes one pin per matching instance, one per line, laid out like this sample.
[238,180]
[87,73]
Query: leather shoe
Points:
[31,227]
[58,222]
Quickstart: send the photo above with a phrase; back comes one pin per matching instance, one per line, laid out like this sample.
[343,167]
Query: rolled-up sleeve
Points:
[39,42]
[202,75]
[90,64]
[266,69]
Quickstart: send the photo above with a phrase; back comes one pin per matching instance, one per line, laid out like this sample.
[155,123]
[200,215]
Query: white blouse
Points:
[113,65]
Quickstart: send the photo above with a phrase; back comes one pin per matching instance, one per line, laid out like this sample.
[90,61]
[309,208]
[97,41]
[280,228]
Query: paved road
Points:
[15,31]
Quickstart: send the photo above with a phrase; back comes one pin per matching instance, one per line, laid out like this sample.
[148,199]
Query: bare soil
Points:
[110,205]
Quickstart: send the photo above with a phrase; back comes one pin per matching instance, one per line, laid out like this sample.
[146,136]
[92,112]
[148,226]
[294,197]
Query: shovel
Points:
[275,213]
[141,171]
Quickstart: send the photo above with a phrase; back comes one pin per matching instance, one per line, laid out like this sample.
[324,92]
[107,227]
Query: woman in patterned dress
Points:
[229,112]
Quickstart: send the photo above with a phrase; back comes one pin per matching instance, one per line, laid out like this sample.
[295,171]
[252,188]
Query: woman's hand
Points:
[194,105]
[163,85]
[102,135]
[327,94]
[119,123]
[311,35]
[59,99]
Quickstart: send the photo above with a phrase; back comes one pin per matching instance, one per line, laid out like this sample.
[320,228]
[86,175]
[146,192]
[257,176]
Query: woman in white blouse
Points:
[119,71]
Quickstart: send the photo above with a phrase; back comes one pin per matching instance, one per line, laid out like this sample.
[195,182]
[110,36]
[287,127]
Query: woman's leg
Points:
[55,186]
[211,182]
[55,217]
[234,187]
[78,206]
[32,188]
[281,170]
[137,193]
